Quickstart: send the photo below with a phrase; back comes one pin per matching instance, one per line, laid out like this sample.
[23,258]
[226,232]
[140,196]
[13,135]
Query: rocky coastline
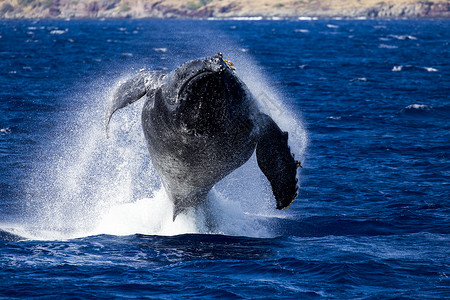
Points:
[222,9]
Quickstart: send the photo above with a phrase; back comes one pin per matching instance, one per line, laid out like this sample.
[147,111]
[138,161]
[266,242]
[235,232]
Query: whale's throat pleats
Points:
[204,105]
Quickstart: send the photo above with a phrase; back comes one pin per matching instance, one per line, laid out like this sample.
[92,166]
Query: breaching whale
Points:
[201,122]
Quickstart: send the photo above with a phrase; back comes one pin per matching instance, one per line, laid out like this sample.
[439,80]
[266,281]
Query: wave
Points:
[5,131]
[419,110]
[334,118]
[402,37]
[302,30]
[160,50]
[401,68]
[359,79]
[59,31]
[421,107]
[429,69]
[384,46]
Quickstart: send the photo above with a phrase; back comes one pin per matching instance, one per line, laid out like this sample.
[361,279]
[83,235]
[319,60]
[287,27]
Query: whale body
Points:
[201,122]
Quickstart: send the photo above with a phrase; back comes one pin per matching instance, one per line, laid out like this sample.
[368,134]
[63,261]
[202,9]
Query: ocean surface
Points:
[367,107]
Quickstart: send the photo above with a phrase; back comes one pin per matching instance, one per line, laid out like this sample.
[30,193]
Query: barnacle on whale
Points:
[229,64]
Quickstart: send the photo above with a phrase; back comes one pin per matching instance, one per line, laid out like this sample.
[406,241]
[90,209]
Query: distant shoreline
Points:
[224,9]
[226,19]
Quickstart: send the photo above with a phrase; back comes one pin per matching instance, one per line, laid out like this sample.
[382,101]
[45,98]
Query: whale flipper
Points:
[277,163]
[133,89]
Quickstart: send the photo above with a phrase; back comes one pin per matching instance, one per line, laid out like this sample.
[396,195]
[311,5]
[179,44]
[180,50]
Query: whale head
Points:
[199,95]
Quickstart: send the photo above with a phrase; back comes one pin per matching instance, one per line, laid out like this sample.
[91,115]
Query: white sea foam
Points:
[248,18]
[59,31]
[308,18]
[334,118]
[384,46]
[302,30]
[402,68]
[151,216]
[419,107]
[359,79]
[402,37]
[162,50]
[4,131]
[430,69]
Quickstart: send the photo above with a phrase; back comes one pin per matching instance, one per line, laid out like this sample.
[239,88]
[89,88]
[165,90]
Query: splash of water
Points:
[93,185]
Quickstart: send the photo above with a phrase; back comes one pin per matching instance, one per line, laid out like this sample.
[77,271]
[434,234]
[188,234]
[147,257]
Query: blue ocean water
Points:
[367,106]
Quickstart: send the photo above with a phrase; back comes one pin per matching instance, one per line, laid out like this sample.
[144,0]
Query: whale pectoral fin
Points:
[277,163]
[132,90]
